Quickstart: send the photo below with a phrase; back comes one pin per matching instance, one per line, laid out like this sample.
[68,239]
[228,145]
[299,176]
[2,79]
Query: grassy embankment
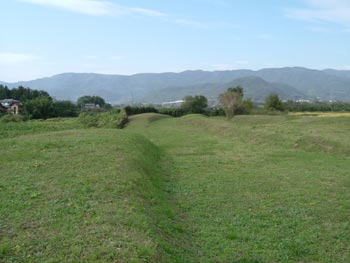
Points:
[190,189]
[81,195]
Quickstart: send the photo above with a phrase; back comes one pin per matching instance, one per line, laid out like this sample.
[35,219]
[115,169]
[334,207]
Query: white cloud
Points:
[7,58]
[103,8]
[88,7]
[189,22]
[146,12]
[95,7]
[330,11]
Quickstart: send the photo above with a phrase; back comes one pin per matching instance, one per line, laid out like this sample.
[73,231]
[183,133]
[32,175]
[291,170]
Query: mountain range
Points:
[293,83]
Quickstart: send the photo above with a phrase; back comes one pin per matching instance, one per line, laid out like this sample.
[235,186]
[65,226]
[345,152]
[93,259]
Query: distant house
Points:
[91,106]
[172,104]
[11,106]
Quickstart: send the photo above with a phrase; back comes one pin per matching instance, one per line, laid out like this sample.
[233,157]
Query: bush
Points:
[317,106]
[215,112]
[91,99]
[246,107]
[133,110]
[39,108]
[12,118]
[273,103]
[174,112]
[195,104]
[231,100]
[111,119]
[64,108]
[265,111]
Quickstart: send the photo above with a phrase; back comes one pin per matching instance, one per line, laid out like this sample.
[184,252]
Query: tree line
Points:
[317,106]
[39,104]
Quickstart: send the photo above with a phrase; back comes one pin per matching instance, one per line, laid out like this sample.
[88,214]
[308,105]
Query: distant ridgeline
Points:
[293,83]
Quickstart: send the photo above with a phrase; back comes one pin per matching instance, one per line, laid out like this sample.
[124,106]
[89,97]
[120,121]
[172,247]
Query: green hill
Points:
[254,87]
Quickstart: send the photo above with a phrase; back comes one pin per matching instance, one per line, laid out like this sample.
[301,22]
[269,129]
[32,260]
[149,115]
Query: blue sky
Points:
[45,37]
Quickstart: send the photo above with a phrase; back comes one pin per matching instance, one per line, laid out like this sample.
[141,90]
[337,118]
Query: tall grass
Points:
[11,118]
[110,119]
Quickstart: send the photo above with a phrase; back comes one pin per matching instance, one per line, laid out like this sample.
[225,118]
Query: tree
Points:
[231,100]
[274,103]
[64,108]
[5,92]
[91,99]
[194,104]
[39,108]
[245,107]
[21,93]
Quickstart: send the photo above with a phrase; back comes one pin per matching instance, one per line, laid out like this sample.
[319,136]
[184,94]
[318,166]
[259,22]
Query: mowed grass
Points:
[13,129]
[91,195]
[190,189]
[260,188]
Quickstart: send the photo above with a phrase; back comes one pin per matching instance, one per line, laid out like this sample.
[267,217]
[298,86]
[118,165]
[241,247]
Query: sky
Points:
[41,38]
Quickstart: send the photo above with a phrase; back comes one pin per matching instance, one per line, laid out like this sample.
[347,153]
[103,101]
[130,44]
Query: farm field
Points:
[189,189]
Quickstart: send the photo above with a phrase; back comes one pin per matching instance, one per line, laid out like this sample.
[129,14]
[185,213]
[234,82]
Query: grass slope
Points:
[260,188]
[13,129]
[190,189]
[92,195]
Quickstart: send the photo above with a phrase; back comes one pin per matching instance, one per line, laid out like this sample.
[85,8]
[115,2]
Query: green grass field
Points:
[190,189]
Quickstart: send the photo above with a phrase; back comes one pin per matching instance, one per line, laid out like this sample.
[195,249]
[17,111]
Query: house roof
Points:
[9,102]
[91,105]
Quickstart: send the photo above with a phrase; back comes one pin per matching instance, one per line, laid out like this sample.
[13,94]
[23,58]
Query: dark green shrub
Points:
[91,99]
[64,108]
[231,100]
[215,112]
[39,108]
[133,110]
[246,107]
[273,103]
[89,119]
[317,106]
[195,104]
[174,112]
